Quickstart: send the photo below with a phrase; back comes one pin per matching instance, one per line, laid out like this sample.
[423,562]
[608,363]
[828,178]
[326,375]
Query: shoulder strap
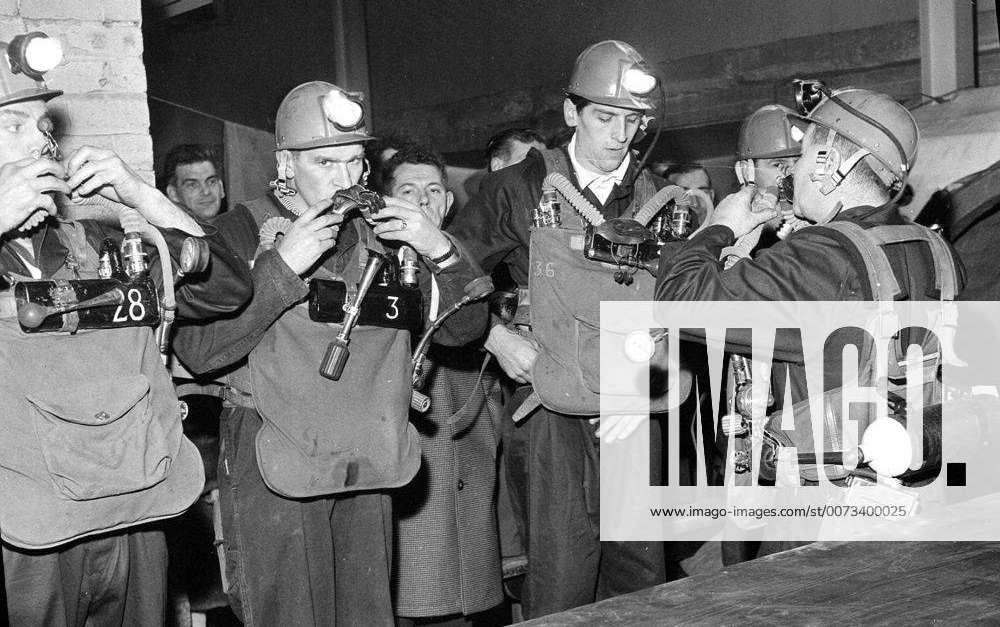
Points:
[945,276]
[869,244]
[881,278]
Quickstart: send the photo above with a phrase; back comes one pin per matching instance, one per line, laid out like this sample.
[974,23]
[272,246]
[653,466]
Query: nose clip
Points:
[51,147]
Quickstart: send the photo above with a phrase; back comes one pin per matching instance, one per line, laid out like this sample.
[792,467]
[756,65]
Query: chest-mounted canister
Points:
[123,294]
[389,303]
[627,243]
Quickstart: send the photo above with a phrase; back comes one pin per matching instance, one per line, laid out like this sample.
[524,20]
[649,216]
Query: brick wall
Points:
[102,73]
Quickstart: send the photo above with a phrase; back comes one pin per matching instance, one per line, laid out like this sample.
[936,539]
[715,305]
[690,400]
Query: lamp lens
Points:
[341,110]
[41,54]
[638,81]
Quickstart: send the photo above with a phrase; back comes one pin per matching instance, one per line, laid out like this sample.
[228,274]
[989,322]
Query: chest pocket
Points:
[100,439]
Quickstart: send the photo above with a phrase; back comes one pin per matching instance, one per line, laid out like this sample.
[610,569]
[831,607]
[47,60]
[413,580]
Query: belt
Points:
[231,397]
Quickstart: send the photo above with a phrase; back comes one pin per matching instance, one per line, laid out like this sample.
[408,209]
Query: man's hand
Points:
[403,221]
[102,172]
[99,171]
[736,212]
[25,192]
[515,353]
[617,427]
[312,234]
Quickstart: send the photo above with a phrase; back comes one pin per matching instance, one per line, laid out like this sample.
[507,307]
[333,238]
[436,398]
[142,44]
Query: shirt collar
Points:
[585,177]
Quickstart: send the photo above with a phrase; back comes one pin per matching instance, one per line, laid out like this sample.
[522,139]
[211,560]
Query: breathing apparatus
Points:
[124,295]
[624,242]
[476,289]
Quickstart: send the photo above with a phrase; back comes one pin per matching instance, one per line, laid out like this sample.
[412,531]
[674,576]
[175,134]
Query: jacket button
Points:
[461,484]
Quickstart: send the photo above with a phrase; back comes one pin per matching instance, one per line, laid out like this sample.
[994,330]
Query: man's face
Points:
[19,134]
[696,179]
[518,151]
[767,172]
[198,188]
[423,185]
[809,203]
[319,173]
[603,134]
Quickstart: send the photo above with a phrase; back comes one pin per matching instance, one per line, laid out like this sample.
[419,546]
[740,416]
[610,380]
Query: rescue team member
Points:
[858,147]
[92,446]
[305,460]
[447,550]
[769,144]
[568,566]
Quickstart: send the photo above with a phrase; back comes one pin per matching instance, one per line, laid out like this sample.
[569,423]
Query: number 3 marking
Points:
[392,307]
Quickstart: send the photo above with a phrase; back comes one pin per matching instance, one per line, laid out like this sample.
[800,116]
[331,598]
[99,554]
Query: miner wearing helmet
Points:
[93,453]
[308,456]
[516,218]
[856,152]
[769,144]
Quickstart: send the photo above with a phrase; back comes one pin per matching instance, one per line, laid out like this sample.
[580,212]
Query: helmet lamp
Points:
[638,81]
[343,111]
[34,54]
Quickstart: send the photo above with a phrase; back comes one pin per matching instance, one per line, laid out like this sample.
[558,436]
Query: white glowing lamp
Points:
[638,81]
[886,447]
[42,53]
[343,111]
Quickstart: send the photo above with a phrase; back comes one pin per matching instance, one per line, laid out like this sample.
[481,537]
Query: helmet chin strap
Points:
[745,172]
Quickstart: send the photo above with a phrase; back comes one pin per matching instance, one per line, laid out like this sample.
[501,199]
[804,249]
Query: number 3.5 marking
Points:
[136,310]
[393,312]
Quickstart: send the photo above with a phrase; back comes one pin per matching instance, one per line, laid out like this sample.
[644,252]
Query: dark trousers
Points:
[568,565]
[295,562]
[114,580]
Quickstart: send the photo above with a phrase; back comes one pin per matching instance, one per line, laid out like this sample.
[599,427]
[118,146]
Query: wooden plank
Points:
[828,582]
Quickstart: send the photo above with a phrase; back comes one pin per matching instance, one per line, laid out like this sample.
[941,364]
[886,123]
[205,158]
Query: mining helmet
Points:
[770,132]
[318,114]
[889,146]
[26,60]
[612,73]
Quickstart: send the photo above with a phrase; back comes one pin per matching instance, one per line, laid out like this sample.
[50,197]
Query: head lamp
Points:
[34,54]
[638,81]
[808,93]
[343,110]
